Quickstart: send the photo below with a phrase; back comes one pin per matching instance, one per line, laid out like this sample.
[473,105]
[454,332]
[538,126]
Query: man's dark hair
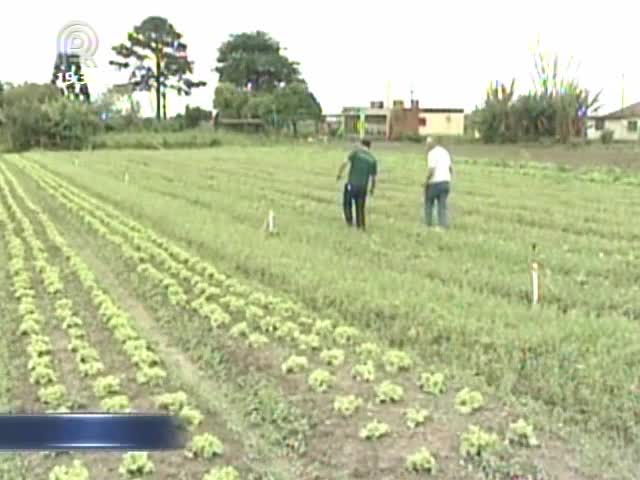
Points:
[366,142]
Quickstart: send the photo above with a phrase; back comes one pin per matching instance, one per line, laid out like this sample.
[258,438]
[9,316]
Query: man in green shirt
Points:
[362,167]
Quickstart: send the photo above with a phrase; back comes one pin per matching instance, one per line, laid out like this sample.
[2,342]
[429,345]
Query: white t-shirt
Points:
[440,160]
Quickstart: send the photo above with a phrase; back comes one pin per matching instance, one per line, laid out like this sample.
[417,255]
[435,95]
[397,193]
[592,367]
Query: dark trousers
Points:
[437,192]
[354,194]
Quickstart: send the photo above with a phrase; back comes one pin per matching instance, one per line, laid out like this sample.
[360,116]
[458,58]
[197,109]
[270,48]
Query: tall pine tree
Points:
[157,60]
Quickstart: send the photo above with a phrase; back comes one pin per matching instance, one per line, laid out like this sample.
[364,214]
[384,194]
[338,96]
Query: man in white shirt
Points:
[438,184]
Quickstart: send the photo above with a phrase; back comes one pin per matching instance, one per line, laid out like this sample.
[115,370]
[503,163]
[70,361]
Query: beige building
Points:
[441,121]
[394,121]
[390,122]
[623,123]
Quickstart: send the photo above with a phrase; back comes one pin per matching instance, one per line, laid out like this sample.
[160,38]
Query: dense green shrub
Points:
[606,136]
[194,116]
[37,116]
[555,111]
[141,139]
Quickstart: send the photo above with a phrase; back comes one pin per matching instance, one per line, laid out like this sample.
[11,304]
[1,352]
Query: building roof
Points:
[631,111]
[386,110]
[366,110]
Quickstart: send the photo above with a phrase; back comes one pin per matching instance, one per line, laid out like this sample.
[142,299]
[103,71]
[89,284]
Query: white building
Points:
[623,123]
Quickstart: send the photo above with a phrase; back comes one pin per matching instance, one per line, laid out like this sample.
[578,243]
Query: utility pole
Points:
[388,110]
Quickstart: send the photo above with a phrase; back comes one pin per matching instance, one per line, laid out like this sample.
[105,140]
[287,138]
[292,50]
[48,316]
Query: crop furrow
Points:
[45,374]
[563,292]
[148,365]
[272,317]
[268,313]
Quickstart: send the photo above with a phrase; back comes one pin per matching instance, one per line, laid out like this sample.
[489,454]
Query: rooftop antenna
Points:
[387,127]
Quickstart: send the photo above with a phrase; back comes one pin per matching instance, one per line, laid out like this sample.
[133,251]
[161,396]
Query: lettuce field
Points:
[142,280]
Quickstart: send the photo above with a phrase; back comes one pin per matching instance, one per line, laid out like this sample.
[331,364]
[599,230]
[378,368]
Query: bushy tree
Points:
[230,100]
[570,101]
[258,81]
[262,106]
[535,114]
[118,110]
[556,108]
[294,102]
[255,59]
[194,116]
[496,118]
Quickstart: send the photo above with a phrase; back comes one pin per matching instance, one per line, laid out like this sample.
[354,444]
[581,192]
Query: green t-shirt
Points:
[363,165]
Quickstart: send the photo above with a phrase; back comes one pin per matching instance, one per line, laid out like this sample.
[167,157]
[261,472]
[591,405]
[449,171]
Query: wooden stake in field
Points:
[536,278]
[535,283]
[270,224]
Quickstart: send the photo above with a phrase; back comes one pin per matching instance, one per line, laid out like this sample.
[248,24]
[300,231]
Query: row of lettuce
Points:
[106,386]
[197,287]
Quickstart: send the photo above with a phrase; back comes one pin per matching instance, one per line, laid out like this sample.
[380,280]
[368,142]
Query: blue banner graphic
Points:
[90,431]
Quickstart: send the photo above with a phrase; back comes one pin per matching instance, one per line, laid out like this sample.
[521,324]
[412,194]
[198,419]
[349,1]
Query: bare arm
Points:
[373,184]
[430,169]
[430,173]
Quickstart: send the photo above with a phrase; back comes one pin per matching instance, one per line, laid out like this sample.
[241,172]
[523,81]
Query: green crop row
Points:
[218,299]
[106,387]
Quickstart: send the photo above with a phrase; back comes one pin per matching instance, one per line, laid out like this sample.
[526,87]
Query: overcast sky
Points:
[446,51]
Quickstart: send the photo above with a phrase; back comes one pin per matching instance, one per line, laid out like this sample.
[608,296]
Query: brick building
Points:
[394,122]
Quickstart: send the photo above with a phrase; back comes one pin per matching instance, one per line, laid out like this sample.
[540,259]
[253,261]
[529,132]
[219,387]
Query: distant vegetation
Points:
[257,83]
[259,88]
[435,359]
[556,109]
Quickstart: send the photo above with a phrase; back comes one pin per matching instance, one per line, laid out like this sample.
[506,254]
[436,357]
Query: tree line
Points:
[256,81]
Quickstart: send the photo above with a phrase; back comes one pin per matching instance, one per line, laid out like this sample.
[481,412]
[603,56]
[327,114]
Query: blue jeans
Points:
[437,192]
[354,194]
